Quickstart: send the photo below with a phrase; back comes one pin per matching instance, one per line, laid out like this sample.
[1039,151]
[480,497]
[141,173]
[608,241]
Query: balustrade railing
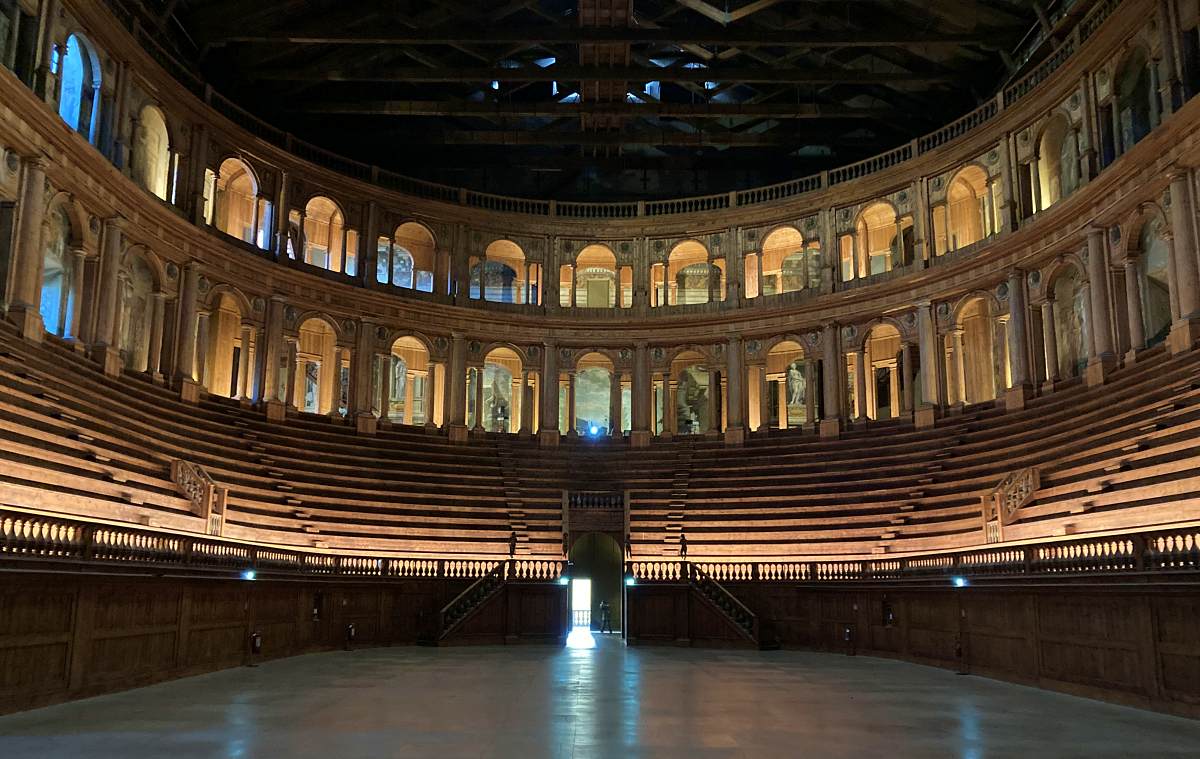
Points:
[207,497]
[595,499]
[1001,504]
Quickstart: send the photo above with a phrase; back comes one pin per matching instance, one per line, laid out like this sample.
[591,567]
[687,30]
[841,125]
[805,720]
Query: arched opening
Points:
[153,166]
[232,203]
[878,244]
[1136,108]
[781,400]
[1057,162]
[409,380]
[137,313]
[79,86]
[1153,272]
[968,215]
[224,353]
[407,259]
[972,350]
[1072,327]
[500,276]
[597,284]
[328,243]
[596,565]
[500,394]
[319,368]
[690,278]
[593,395]
[695,403]
[881,351]
[58,275]
[786,264]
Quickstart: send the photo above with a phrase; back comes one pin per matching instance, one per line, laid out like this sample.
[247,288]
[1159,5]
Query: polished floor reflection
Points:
[603,702]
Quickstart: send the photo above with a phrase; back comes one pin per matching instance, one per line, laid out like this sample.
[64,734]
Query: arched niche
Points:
[500,277]
[786,263]
[1135,98]
[328,243]
[80,74]
[968,214]
[782,399]
[139,287]
[1072,323]
[59,275]
[691,278]
[597,283]
[233,205]
[1057,162]
[406,382]
[980,372]
[694,407]
[224,351]
[494,391]
[1153,263]
[320,368]
[408,258]
[881,353]
[593,395]
[152,164]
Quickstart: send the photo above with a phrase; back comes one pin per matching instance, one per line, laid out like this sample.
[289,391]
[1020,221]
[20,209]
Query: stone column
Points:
[1098,287]
[78,272]
[907,377]
[203,320]
[764,400]
[429,395]
[293,349]
[1018,338]
[1133,304]
[831,418]
[385,385]
[526,405]
[456,387]
[860,384]
[104,349]
[157,319]
[671,407]
[810,391]
[929,354]
[1183,246]
[735,402]
[244,364]
[959,364]
[479,399]
[24,308]
[781,398]
[272,343]
[614,404]
[1050,341]
[185,344]
[710,400]
[548,416]
[571,398]
[409,395]
[641,395]
[358,401]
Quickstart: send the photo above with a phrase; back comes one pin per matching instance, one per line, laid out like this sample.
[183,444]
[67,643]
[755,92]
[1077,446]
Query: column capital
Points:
[116,222]
[37,161]
[1176,172]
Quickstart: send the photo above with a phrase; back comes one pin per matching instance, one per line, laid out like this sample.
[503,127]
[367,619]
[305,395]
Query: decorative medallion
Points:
[943,310]
[936,183]
[289,314]
[909,320]
[902,196]
[1114,235]
[94,225]
[1023,136]
[844,214]
[813,337]
[719,350]
[564,354]
[810,223]
[1035,279]
[716,241]
[754,346]
[11,161]
[474,346]
[534,351]
[1073,103]
[752,235]
[349,327]
[993,156]
[849,332]
[626,247]
[441,343]
[624,354]
[205,285]
[172,270]
[381,332]
[258,303]
[1002,291]
[659,354]
[658,244]
[1102,77]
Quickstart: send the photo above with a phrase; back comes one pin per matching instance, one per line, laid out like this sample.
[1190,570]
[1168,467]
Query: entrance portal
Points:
[596,571]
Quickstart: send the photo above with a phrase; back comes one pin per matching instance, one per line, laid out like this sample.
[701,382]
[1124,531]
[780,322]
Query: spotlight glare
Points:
[564,580]
[249,574]
[959,581]
[594,430]
[631,580]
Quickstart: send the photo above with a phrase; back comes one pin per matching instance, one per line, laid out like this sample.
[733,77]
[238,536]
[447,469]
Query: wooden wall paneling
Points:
[1176,639]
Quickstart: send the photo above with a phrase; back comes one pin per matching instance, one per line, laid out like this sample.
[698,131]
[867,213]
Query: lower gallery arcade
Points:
[407,445]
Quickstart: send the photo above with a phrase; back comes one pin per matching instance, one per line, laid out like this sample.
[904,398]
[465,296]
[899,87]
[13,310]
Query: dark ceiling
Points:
[605,99]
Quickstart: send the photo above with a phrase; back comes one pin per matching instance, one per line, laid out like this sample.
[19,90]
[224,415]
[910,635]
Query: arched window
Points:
[597,283]
[57,276]
[690,277]
[968,215]
[328,243]
[787,264]
[408,383]
[232,203]
[137,311]
[975,371]
[320,367]
[878,244]
[501,276]
[1137,111]
[79,86]
[407,259]
[223,360]
[1072,326]
[1057,163]
[782,398]
[1152,270]
[501,395]
[153,165]
[882,366]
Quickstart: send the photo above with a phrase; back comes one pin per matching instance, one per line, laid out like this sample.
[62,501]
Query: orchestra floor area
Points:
[608,701]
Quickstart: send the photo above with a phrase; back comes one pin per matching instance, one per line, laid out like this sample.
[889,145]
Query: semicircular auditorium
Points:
[260,399]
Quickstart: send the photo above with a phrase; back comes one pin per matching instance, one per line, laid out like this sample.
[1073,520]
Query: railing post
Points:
[1139,552]
[1028,559]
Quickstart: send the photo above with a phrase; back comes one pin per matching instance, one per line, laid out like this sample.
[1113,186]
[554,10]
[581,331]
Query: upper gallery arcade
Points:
[1049,234]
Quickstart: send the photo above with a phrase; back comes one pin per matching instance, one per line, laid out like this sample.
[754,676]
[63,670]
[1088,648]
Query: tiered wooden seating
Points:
[73,440]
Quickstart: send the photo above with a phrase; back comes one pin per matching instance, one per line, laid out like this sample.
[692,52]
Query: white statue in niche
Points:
[795,384]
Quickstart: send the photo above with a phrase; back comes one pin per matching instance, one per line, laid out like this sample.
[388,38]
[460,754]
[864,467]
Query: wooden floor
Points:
[609,701]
